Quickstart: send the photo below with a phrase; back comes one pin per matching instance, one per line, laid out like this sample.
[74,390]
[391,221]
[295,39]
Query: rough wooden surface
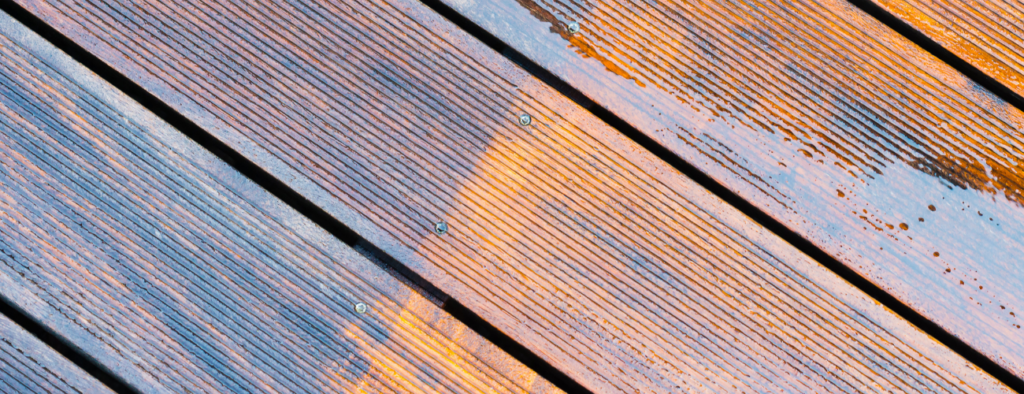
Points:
[180,275]
[987,34]
[27,365]
[887,159]
[563,234]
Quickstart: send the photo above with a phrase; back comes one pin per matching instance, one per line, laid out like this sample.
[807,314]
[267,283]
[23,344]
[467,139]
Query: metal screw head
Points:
[525,120]
[361,308]
[574,27]
[441,228]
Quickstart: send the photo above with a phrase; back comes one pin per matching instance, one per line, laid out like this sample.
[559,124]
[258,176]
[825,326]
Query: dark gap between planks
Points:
[278,189]
[749,209]
[937,50]
[67,349]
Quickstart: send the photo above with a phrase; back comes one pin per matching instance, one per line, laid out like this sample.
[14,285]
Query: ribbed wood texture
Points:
[842,130]
[180,275]
[987,34]
[563,234]
[27,365]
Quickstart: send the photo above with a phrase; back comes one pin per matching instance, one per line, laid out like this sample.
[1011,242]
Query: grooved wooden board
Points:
[563,234]
[180,275]
[27,365]
[987,34]
[845,132]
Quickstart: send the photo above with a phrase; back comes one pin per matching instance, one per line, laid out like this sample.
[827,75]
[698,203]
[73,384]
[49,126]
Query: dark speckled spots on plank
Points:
[823,118]
[179,275]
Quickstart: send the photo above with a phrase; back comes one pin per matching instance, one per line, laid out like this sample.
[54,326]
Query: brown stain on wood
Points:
[997,175]
[566,236]
[583,47]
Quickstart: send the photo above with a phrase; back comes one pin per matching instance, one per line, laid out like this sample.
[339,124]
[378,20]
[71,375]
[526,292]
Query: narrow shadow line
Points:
[65,348]
[513,348]
[289,196]
[744,206]
[935,49]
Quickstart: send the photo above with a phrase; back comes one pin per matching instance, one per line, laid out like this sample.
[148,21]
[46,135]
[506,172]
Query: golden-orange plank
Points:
[987,34]
[27,365]
[885,158]
[565,235]
[178,274]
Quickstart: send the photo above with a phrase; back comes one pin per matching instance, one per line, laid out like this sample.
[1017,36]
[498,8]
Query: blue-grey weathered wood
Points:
[180,275]
[27,365]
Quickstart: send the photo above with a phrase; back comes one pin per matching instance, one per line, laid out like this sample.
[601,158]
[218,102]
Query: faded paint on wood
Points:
[987,34]
[847,133]
[27,365]
[180,275]
[568,237]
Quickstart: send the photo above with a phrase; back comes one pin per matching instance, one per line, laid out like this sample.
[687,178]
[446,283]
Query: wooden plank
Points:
[27,365]
[565,235]
[885,158]
[180,275]
[987,34]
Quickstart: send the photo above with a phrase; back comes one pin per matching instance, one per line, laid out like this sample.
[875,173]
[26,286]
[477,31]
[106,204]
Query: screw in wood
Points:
[525,120]
[441,228]
[574,27]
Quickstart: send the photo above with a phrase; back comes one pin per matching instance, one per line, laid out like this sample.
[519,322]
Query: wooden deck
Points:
[989,35]
[27,365]
[888,160]
[180,275]
[576,239]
